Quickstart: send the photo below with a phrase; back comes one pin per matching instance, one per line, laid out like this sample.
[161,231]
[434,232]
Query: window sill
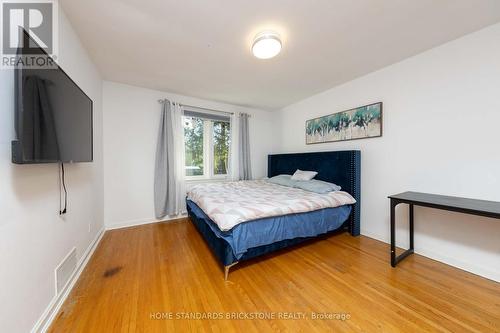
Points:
[208,180]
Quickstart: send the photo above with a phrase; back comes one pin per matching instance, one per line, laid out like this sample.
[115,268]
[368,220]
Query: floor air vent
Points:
[65,270]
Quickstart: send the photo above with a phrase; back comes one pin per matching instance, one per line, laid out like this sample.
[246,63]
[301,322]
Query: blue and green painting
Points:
[358,123]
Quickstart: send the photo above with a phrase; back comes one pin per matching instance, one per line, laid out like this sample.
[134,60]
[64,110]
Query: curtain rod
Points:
[196,107]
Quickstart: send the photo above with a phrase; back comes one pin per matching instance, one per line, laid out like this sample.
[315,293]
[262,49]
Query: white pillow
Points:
[304,175]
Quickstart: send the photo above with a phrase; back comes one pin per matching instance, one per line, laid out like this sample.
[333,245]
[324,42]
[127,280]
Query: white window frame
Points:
[208,154]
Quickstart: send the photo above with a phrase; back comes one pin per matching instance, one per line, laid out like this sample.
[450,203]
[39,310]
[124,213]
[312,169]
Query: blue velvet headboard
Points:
[340,167]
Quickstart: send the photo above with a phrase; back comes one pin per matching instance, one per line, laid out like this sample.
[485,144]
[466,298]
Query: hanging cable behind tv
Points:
[62,190]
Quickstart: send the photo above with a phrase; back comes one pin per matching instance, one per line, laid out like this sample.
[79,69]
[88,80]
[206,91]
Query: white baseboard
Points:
[482,271]
[43,324]
[132,223]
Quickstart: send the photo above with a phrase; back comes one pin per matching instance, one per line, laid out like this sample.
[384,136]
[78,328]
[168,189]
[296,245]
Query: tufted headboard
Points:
[340,167]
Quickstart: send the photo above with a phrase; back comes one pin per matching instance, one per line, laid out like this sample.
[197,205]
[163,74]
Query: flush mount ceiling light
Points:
[266,45]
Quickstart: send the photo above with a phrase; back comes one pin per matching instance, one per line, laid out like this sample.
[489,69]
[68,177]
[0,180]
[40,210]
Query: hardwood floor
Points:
[140,276]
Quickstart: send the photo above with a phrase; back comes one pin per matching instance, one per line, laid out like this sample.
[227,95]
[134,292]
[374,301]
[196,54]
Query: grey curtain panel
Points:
[245,166]
[164,180]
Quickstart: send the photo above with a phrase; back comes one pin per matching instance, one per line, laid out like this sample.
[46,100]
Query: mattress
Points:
[229,204]
[269,230]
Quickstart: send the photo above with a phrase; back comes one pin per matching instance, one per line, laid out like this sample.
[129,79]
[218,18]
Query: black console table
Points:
[456,204]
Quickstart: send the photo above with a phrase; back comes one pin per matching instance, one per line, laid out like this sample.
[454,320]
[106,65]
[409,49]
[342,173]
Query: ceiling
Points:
[202,48]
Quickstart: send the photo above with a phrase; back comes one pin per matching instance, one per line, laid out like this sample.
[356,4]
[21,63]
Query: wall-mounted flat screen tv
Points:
[53,116]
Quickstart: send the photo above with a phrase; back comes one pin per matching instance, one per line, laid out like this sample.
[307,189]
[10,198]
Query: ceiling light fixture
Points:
[266,45]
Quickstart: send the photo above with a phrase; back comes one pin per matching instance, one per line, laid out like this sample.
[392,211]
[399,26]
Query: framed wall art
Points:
[358,123]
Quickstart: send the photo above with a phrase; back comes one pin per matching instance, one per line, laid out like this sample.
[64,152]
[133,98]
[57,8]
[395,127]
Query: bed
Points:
[233,242]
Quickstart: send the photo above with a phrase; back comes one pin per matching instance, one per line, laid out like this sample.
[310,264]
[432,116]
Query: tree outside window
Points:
[222,143]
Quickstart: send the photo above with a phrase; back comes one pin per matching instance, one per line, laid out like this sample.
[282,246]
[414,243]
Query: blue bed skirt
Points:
[225,251]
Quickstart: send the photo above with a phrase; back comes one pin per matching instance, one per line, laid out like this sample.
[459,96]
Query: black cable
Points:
[60,186]
[63,182]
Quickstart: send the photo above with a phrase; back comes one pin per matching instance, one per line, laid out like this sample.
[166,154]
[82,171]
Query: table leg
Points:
[411,218]
[396,259]
[393,233]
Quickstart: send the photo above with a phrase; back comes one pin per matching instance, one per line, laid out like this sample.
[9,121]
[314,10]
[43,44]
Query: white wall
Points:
[131,122]
[441,135]
[33,238]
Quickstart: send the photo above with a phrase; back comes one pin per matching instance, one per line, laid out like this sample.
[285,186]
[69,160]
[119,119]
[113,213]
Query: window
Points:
[193,140]
[207,145]
[221,141]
